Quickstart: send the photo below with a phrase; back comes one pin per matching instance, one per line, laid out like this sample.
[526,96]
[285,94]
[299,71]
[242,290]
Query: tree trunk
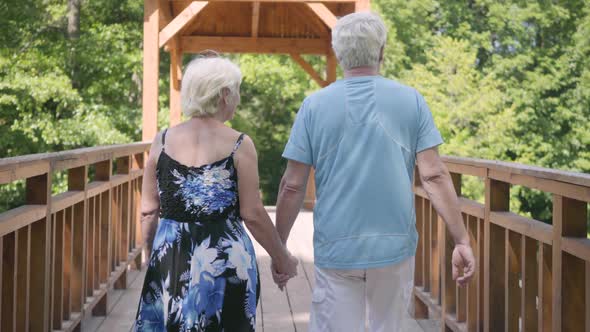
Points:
[73,36]
[74,19]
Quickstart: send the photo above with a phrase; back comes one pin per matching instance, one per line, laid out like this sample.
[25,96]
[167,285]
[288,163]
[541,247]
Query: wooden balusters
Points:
[57,250]
[570,305]
[530,285]
[8,306]
[531,276]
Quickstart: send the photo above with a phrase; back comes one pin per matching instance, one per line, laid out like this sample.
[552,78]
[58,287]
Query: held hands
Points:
[463,260]
[284,269]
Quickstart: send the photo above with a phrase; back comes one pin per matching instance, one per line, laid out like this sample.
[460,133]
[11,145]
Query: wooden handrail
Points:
[63,253]
[531,276]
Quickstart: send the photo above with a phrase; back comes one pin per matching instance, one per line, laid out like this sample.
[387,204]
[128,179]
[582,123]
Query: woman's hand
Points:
[284,269]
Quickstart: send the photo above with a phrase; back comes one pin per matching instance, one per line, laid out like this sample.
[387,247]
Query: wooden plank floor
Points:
[278,311]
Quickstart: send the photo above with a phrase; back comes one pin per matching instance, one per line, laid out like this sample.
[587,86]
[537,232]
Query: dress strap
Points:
[164,139]
[238,142]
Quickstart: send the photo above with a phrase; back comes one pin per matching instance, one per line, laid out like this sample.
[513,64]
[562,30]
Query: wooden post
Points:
[569,272]
[436,232]
[77,178]
[545,321]
[175,77]
[38,191]
[448,286]
[22,278]
[530,285]
[309,200]
[332,65]
[497,199]
[57,269]
[8,285]
[362,5]
[151,61]
[512,268]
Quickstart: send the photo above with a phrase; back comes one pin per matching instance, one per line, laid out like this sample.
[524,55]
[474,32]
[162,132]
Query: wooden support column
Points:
[309,200]
[569,272]
[362,5]
[151,61]
[309,69]
[497,199]
[38,191]
[446,245]
[77,178]
[332,65]
[175,78]
[255,18]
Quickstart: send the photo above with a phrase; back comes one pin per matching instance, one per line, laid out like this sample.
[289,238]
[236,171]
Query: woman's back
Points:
[199,142]
[202,273]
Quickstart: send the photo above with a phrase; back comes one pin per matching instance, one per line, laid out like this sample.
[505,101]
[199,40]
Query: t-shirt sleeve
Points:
[298,147]
[428,134]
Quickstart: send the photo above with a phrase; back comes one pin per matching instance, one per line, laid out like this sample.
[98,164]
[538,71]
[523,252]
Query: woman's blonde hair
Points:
[203,82]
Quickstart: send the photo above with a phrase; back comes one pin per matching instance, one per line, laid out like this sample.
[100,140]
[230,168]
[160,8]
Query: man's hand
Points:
[279,278]
[463,260]
[283,271]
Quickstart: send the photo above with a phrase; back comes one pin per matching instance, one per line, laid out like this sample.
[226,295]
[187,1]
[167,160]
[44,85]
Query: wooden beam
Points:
[309,69]
[175,77]
[195,44]
[165,13]
[307,15]
[332,65]
[151,61]
[274,1]
[324,14]
[181,21]
[255,18]
[362,5]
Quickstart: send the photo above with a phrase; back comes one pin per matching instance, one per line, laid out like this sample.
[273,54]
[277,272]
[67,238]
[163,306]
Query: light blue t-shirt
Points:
[361,134]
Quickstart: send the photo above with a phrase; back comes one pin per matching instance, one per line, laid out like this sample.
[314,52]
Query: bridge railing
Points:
[531,276]
[62,253]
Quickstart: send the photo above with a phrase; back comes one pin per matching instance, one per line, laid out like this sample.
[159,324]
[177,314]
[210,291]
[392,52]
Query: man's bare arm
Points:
[438,184]
[291,195]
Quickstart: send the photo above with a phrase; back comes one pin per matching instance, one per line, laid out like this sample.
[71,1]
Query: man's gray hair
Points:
[357,39]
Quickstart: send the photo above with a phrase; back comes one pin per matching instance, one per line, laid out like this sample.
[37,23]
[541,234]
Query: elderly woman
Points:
[201,182]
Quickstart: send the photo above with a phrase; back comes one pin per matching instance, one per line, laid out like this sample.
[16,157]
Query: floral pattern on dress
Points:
[207,192]
[202,275]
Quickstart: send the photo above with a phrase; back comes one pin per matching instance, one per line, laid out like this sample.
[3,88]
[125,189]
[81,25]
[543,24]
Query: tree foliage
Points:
[506,80]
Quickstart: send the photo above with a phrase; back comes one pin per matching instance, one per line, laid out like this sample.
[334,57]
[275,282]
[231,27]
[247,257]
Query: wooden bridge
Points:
[71,260]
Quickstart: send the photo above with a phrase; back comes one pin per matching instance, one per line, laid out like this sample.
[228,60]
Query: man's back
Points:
[362,134]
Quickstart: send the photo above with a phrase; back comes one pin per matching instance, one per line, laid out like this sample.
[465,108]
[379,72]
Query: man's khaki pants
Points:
[342,299]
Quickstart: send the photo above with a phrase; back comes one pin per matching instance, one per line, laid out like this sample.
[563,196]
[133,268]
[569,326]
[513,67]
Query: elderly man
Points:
[363,135]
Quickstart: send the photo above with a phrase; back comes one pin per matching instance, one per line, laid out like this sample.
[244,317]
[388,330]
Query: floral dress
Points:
[202,273]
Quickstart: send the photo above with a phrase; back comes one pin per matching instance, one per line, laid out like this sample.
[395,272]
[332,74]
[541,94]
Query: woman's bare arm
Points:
[150,200]
[253,212]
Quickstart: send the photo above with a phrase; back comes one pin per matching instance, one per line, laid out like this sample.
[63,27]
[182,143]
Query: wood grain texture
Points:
[196,44]
[306,66]
[180,21]
[151,61]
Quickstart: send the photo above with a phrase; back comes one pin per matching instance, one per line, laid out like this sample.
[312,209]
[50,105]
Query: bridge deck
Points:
[277,311]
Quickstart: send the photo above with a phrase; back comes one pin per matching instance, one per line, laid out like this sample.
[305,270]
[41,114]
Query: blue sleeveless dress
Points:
[202,273]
